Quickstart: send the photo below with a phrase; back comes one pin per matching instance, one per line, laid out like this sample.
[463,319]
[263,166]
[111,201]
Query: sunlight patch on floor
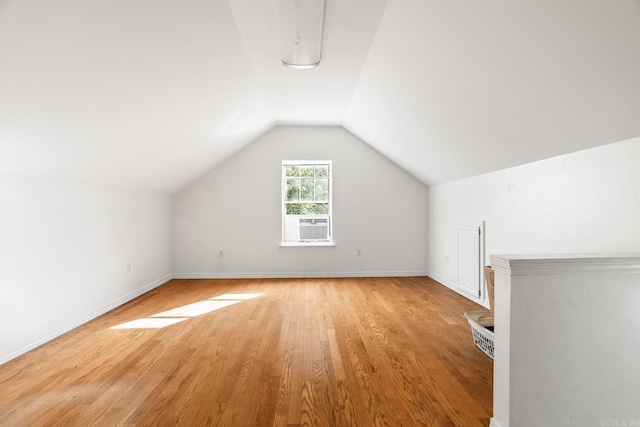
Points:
[179,314]
[149,323]
[196,309]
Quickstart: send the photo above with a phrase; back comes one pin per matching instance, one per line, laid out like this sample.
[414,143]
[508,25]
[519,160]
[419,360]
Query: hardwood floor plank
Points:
[283,353]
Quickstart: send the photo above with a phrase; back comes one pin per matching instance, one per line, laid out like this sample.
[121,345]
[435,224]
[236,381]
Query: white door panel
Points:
[470,245]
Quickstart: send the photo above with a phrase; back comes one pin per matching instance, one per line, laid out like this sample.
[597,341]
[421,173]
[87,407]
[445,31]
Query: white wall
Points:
[377,208]
[584,202]
[64,251]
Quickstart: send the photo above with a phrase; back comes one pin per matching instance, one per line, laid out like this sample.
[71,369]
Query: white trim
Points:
[298,244]
[454,287]
[283,198]
[299,275]
[305,162]
[494,423]
[516,265]
[81,320]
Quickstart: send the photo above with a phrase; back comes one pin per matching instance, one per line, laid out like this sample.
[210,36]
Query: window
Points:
[306,202]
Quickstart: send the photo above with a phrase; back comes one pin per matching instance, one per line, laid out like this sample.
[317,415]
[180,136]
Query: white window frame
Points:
[286,218]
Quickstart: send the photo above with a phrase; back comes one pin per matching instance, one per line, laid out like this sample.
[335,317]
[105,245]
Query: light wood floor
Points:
[312,352]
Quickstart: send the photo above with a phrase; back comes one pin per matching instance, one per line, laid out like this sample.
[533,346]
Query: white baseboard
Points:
[453,287]
[298,275]
[494,423]
[66,327]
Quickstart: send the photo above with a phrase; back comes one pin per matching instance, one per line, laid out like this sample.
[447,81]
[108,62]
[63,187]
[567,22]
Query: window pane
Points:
[294,209]
[321,208]
[293,188]
[307,209]
[322,190]
[306,170]
[306,189]
[322,171]
[291,171]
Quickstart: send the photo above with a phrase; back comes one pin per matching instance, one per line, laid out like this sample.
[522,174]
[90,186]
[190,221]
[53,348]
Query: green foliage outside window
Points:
[307,208]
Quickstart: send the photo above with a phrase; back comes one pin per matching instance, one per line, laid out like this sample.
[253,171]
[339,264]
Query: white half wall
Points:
[64,254]
[566,347]
[236,208]
[584,202]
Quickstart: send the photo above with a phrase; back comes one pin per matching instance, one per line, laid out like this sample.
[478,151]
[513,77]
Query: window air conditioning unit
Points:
[313,228]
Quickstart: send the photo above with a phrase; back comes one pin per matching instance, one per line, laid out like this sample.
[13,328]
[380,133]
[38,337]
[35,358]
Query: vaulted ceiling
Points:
[149,94]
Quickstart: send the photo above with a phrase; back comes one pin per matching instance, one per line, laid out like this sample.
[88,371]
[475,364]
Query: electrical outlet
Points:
[359,252]
[128,268]
[220,253]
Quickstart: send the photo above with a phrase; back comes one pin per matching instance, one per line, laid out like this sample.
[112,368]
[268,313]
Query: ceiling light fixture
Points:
[300,30]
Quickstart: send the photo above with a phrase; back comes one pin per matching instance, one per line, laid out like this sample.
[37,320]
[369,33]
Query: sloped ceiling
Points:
[458,88]
[139,94]
[148,94]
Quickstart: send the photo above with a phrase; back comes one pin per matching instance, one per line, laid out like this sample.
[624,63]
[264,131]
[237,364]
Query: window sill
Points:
[302,244]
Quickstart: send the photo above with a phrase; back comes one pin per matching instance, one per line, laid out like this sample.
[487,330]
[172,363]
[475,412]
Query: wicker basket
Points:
[482,337]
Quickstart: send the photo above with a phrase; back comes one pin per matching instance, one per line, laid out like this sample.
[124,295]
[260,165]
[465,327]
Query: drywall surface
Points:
[584,202]
[64,254]
[236,208]
[566,345]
